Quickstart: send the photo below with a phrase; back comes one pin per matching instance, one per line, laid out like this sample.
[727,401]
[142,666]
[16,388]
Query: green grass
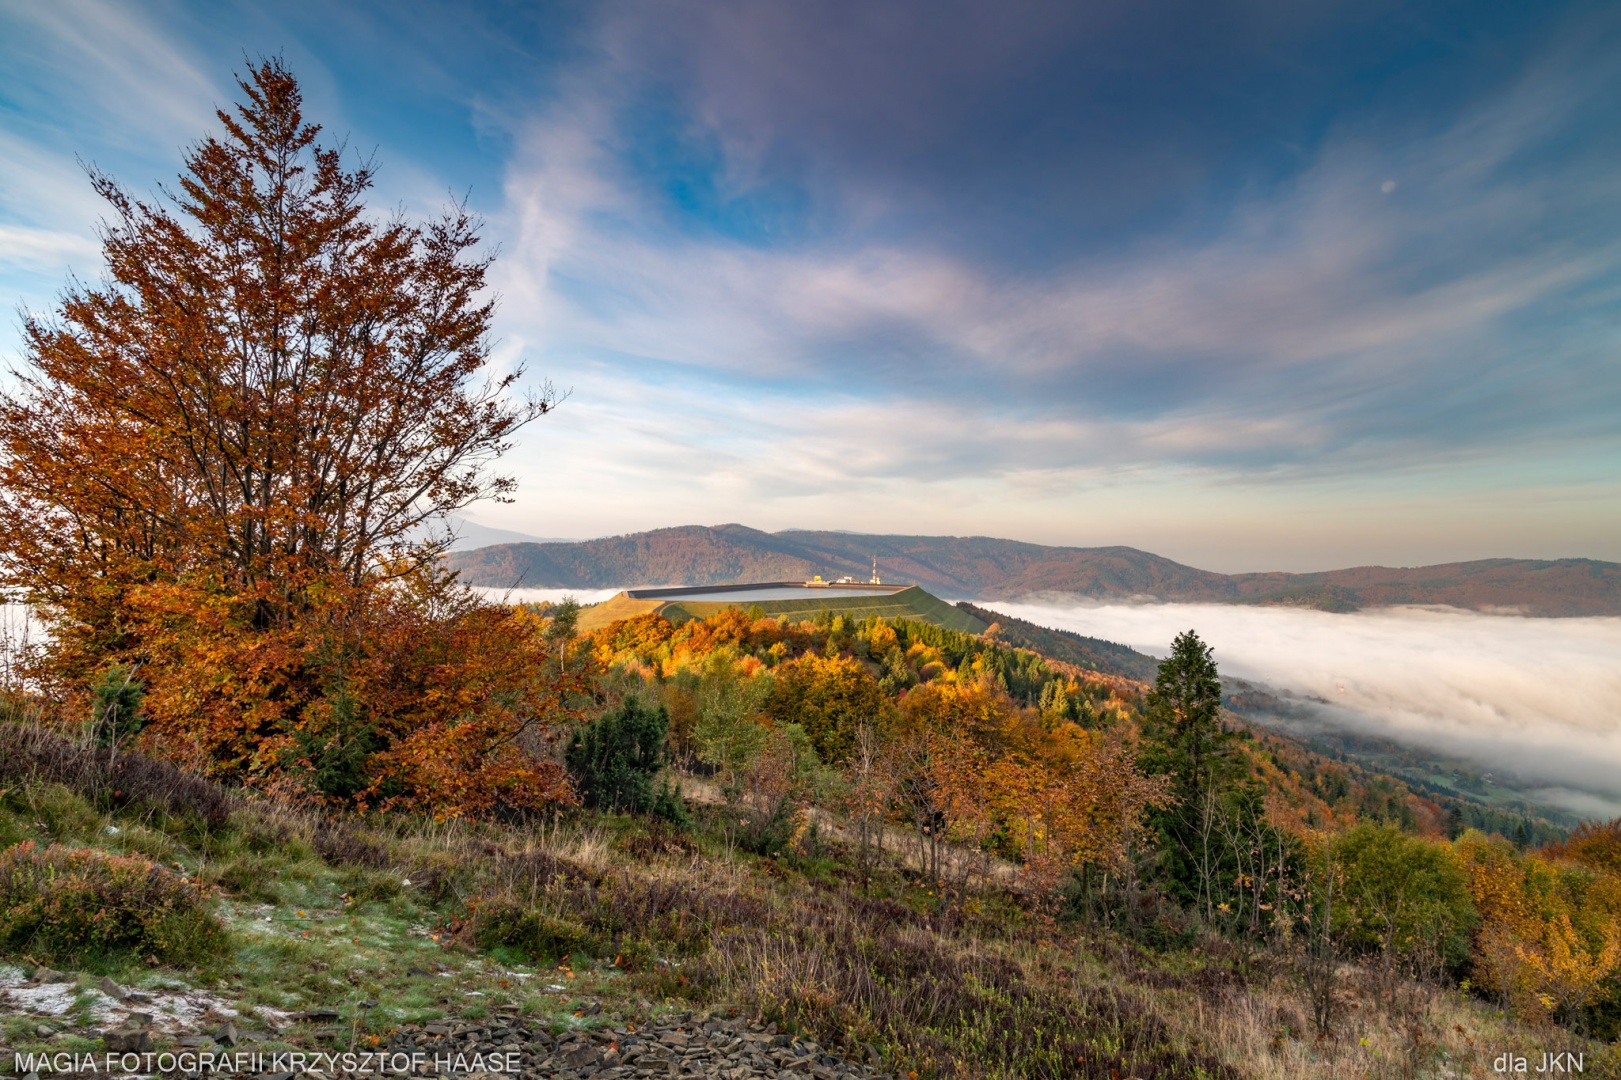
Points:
[302,933]
[909,603]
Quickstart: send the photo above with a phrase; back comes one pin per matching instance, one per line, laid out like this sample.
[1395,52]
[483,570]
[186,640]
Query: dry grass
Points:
[978,983]
[32,753]
[902,848]
[1434,1032]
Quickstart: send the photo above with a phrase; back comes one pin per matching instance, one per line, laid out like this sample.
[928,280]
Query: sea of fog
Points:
[1537,699]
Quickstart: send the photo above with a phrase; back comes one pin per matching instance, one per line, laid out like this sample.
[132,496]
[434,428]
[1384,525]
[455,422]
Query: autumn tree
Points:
[831,697]
[975,767]
[1549,939]
[1402,900]
[232,454]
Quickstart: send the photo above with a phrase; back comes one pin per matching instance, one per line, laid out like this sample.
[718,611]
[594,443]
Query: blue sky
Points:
[1253,285]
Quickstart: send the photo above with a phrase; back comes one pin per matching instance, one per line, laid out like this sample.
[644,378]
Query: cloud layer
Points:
[1532,698]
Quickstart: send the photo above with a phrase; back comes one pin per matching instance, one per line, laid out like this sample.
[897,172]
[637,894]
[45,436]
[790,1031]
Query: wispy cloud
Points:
[1073,272]
[1327,320]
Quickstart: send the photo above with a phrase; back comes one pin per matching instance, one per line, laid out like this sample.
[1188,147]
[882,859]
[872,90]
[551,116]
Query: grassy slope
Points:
[911,603]
[979,979]
[613,609]
[1087,652]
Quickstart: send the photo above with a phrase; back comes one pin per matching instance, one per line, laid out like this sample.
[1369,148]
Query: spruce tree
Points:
[1183,737]
[614,759]
[1182,722]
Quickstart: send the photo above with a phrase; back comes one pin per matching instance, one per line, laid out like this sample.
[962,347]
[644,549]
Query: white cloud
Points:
[1291,335]
[1536,698]
[23,247]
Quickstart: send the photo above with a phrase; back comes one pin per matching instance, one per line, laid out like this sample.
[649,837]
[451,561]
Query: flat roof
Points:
[766,590]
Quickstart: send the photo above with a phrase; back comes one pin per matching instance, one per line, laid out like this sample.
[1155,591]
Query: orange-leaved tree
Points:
[975,765]
[227,464]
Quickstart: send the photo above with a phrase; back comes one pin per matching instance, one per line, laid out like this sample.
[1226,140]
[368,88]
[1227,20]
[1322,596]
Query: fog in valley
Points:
[1536,699]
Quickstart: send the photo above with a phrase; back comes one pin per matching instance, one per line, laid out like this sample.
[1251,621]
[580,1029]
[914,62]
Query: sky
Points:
[1255,285]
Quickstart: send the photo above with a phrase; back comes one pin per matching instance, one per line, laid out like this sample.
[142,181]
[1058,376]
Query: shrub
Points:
[614,758]
[250,876]
[536,934]
[1402,896]
[669,806]
[83,908]
[364,886]
[339,844]
[31,753]
[115,705]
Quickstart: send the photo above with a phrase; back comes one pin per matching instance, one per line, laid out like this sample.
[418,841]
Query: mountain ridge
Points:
[988,568]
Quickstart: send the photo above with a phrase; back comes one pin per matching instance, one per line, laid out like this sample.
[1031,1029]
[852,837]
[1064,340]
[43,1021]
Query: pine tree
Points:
[1183,730]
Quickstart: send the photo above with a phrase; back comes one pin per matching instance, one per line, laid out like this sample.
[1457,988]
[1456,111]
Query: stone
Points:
[227,1035]
[127,1041]
[50,975]
[685,1045]
[113,990]
[581,1055]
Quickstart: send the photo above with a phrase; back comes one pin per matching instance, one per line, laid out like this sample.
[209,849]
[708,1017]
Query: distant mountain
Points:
[469,535]
[984,568]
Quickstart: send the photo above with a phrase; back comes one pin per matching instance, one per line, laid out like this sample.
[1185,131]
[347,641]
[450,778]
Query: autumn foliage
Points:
[896,722]
[224,464]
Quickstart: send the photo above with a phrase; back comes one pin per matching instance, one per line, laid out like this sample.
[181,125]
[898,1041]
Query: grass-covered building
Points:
[789,600]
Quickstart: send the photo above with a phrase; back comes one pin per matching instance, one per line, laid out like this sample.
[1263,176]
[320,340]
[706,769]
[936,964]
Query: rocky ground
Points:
[71,1018]
[683,1045]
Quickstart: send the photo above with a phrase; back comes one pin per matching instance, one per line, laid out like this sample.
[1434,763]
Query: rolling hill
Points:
[985,568]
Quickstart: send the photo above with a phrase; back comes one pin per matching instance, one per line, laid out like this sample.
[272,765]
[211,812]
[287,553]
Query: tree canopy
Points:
[226,465]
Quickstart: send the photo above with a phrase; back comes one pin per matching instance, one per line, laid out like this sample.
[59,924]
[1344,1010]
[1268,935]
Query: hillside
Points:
[1091,653]
[769,931]
[911,603]
[986,568]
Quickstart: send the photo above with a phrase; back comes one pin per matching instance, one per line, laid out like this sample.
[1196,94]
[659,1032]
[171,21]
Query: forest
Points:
[1142,805]
[270,749]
